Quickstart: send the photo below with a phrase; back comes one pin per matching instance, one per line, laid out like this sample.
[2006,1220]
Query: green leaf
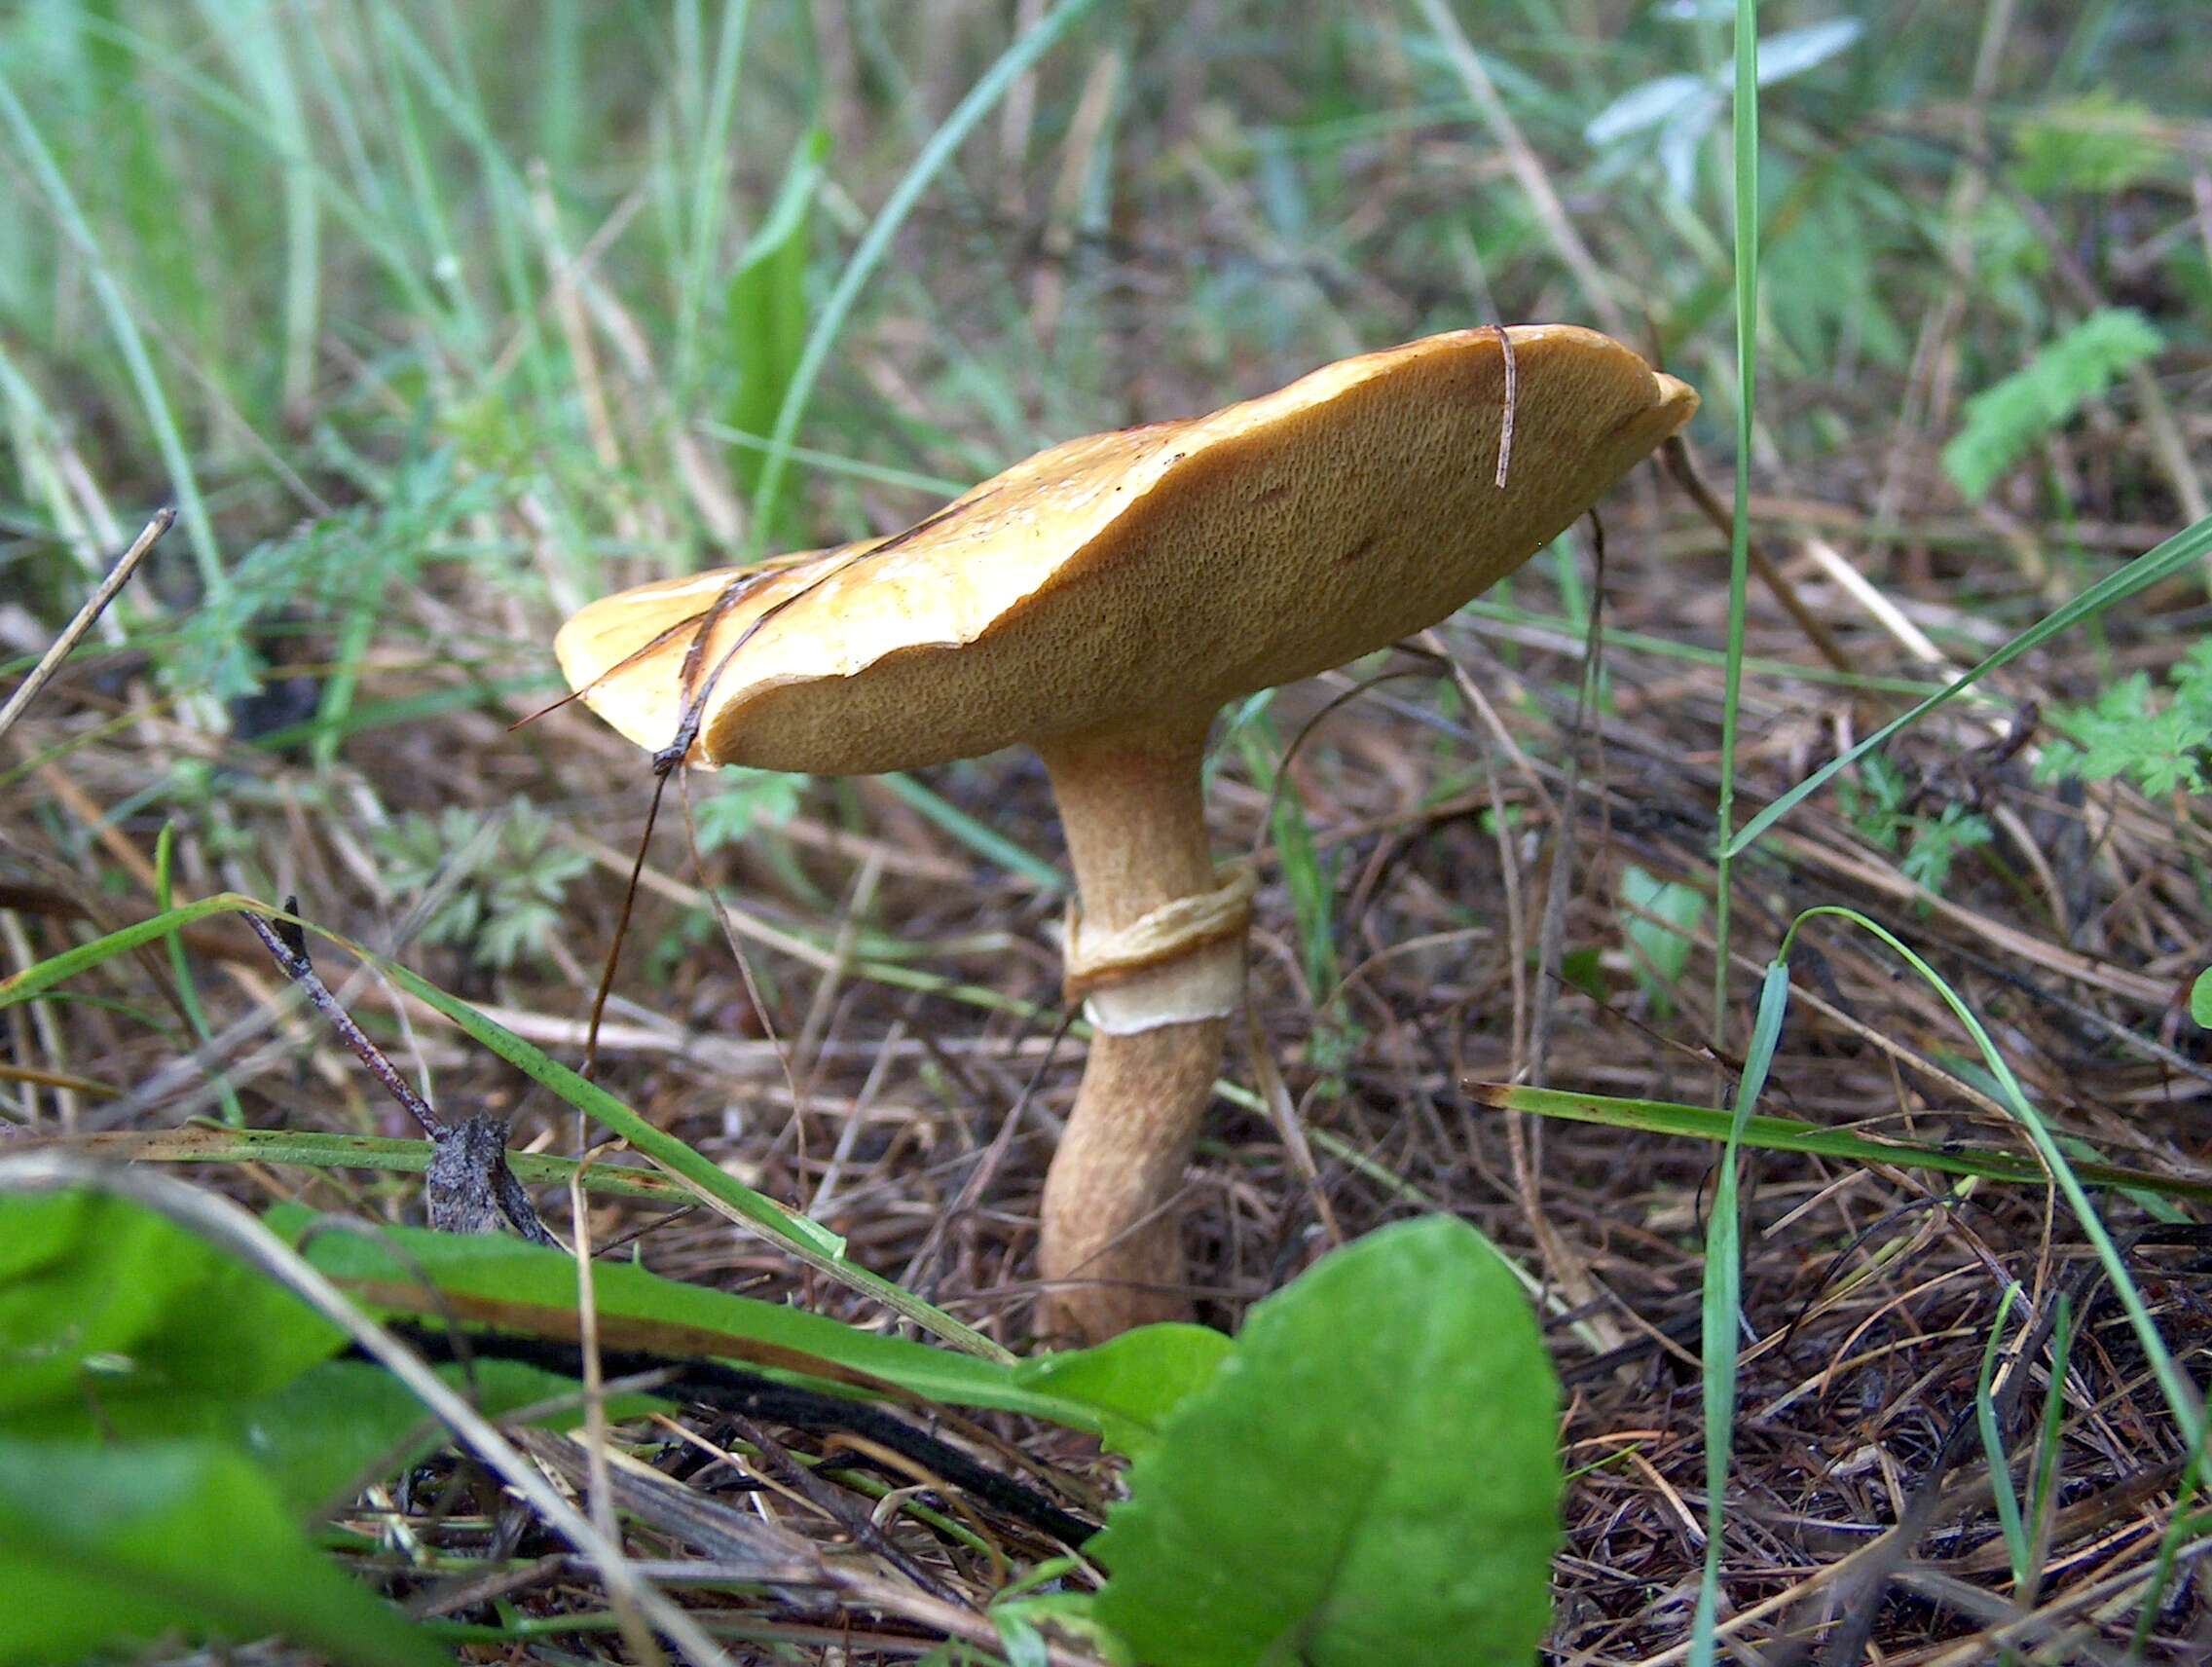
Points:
[2200,999]
[1027,1623]
[2098,143]
[347,1424]
[110,1316]
[1371,1476]
[524,1277]
[764,313]
[1662,952]
[101,1548]
[2007,417]
[1583,969]
[2123,732]
[1135,1381]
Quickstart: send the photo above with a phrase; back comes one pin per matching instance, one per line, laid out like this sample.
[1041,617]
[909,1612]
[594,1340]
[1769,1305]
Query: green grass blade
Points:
[710,191]
[2181,1398]
[1993,1444]
[2175,556]
[805,1239]
[1811,1139]
[764,311]
[507,195]
[875,242]
[2042,1487]
[366,216]
[43,976]
[1724,1306]
[986,841]
[254,38]
[309,1149]
[180,968]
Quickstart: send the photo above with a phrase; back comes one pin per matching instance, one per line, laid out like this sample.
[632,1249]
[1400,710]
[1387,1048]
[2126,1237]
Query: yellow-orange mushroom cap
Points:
[1141,576]
[1100,602]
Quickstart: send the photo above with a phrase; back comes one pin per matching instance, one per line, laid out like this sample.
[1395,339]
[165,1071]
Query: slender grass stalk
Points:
[1747,206]
[1993,1443]
[453,92]
[2044,1479]
[364,212]
[837,464]
[711,155]
[1722,1311]
[1722,1274]
[983,841]
[255,39]
[808,1241]
[2182,1399]
[1817,1140]
[180,968]
[427,200]
[2185,1522]
[560,95]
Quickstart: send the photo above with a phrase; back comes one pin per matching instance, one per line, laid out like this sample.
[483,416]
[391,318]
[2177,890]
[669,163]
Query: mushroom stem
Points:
[1112,1242]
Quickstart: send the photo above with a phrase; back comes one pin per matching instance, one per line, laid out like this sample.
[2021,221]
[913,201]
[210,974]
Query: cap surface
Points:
[1141,577]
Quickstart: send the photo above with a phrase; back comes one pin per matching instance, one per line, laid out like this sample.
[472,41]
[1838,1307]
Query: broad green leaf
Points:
[2200,999]
[1371,1476]
[101,1547]
[537,1287]
[110,1314]
[1027,1623]
[345,1424]
[1135,1381]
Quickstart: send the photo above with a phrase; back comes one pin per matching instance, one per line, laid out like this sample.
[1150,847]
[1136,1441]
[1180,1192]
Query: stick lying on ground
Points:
[470,1188]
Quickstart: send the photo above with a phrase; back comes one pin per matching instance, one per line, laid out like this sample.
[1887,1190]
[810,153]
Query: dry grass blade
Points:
[105,592]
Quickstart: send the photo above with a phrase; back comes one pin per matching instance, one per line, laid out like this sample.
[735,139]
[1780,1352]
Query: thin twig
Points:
[88,615]
[1683,467]
[288,944]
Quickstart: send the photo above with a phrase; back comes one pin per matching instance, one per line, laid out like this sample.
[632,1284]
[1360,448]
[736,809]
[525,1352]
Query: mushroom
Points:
[1100,603]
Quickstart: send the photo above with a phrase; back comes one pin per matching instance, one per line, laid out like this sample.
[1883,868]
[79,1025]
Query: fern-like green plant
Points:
[2099,144]
[345,563]
[2008,416]
[2160,741]
[503,909]
[1879,802]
